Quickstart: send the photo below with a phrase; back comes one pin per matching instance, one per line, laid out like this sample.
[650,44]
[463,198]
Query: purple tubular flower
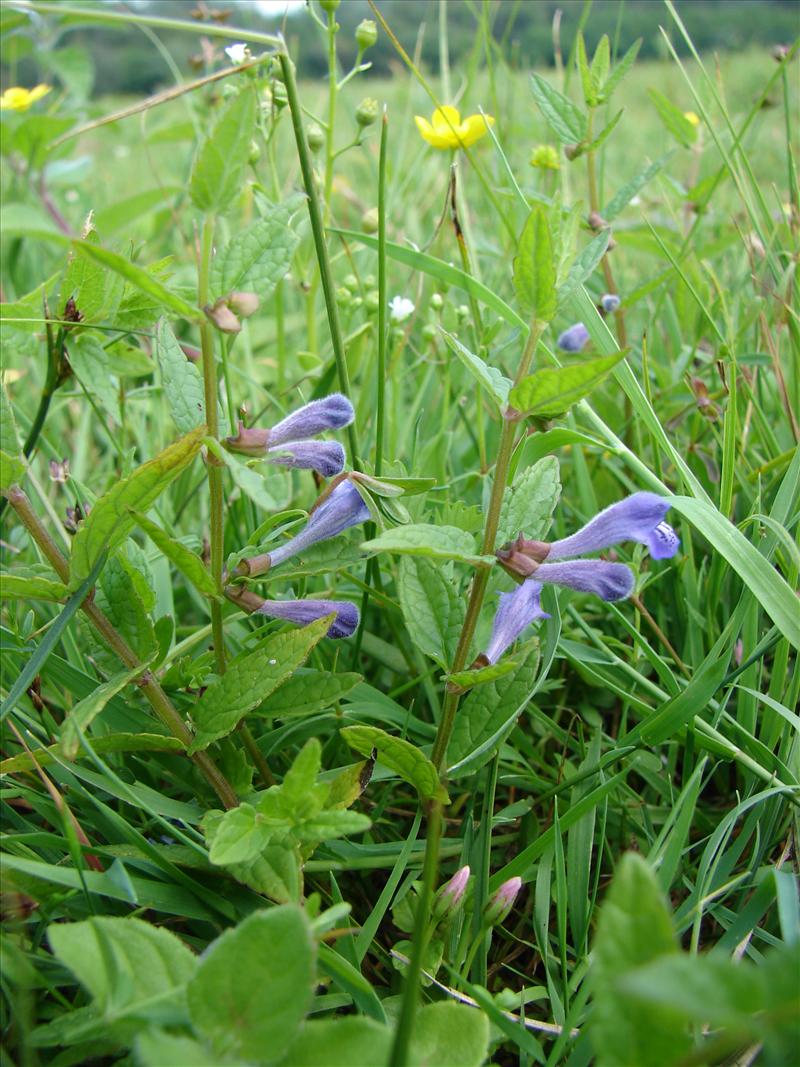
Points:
[516,610]
[341,510]
[574,338]
[639,517]
[304,612]
[331,413]
[326,457]
[610,581]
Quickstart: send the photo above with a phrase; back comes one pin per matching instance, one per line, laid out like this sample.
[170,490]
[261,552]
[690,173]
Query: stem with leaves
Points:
[594,204]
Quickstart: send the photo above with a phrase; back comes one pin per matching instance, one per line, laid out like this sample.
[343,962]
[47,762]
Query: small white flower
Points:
[400,308]
[237,53]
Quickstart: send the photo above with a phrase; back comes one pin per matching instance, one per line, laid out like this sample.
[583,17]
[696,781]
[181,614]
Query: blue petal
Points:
[611,581]
[516,611]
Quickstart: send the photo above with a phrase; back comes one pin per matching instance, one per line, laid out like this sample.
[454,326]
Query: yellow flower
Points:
[446,130]
[690,116]
[19,99]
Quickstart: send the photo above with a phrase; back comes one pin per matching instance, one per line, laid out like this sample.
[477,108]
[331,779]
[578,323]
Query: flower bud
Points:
[329,6]
[223,318]
[343,297]
[351,282]
[279,95]
[243,304]
[372,301]
[366,34]
[315,136]
[430,333]
[254,154]
[449,897]
[497,909]
[596,221]
[437,301]
[367,111]
[369,221]
[462,312]
[609,303]
[573,151]
[545,156]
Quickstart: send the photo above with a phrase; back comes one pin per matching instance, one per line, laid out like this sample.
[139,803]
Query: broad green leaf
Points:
[140,279]
[328,825]
[552,391]
[183,384]
[489,378]
[432,607]
[601,62]
[109,743]
[93,368]
[634,928]
[348,785]
[128,361]
[110,520]
[276,870]
[489,713]
[620,200]
[86,281]
[121,213]
[258,257]
[589,90]
[254,985]
[21,587]
[400,756]
[12,470]
[584,265]
[684,131]
[529,502]
[353,1040]
[240,836]
[535,267]
[218,172]
[771,590]
[437,542]
[9,435]
[306,692]
[26,220]
[465,680]
[85,711]
[447,1034]
[125,596]
[250,680]
[567,121]
[189,564]
[157,1048]
[297,788]
[123,962]
[619,72]
[258,487]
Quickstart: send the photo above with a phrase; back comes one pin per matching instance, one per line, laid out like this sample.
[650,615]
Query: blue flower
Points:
[573,339]
[304,612]
[639,517]
[516,611]
[339,511]
[609,302]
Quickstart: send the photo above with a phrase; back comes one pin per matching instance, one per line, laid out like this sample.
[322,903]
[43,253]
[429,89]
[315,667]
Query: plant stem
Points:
[408,1008]
[210,391]
[157,698]
[594,205]
[318,230]
[382,298]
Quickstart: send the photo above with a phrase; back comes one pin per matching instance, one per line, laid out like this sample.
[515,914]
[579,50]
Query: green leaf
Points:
[20,587]
[250,680]
[771,590]
[489,713]
[86,710]
[307,692]
[634,928]
[123,963]
[489,378]
[218,173]
[254,485]
[437,542]
[448,1034]
[552,391]
[258,257]
[156,1048]
[254,985]
[110,743]
[589,91]
[240,836]
[110,520]
[183,384]
[399,756]
[535,267]
[353,1040]
[349,784]
[604,134]
[584,265]
[620,200]
[140,279]
[93,369]
[86,281]
[9,435]
[677,124]
[12,470]
[121,213]
[432,608]
[601,62]
[465,680]
[529,502]
[276,870]
[328,825]
[189,564]
[567,121]
[619,72]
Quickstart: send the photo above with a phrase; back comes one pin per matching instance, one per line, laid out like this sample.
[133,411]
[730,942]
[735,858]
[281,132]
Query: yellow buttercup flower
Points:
[446,130]
[18,99]
[692,117]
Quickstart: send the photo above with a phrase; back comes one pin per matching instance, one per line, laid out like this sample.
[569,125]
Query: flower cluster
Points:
[639,517]
[288,443]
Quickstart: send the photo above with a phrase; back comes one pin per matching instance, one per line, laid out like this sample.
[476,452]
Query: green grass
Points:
[663,725]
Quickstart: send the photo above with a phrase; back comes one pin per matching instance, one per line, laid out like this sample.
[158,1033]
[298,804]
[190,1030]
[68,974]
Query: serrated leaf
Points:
[92,366]
[275,872]
[566,120]
[183,384]
[22,587]
[305,693]
[9,435]
[240,836]
[254,985]
[601,62]
[258,256]
[604,134]
[465,680]
[85,283]
[619,72]
[348,786]
[110,520]
[218,172]
[327,825]
[250,680]
[535,267]
[432,608]
[400,756]
[584,265]
[489,378]
[124,595]
[140,279]
[437,542]
[552,391]
[12,470]
[529,502]
[81,716]
[489,713]
[628,191]
[189,564]
[674,120]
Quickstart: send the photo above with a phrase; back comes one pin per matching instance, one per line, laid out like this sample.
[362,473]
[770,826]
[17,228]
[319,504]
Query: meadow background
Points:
[636,768]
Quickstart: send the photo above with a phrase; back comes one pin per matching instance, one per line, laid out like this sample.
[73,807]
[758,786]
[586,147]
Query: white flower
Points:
[237,53]
[400,307]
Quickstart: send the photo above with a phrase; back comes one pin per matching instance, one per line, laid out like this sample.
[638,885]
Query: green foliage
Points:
[551,392]
[399,756]
[220,164]
[534,267]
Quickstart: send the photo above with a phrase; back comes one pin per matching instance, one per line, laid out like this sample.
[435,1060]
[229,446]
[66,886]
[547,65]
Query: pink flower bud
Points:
[243,304]
[450,895]
[498,908]
[223,318]
[250,441]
